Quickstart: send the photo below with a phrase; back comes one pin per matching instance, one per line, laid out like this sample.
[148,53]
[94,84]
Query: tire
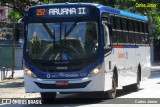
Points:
[136,87]
[48,97]
[112,93]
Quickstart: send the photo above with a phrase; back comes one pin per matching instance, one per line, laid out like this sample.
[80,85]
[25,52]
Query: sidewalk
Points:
[8,73]
[155,65]
[18,73]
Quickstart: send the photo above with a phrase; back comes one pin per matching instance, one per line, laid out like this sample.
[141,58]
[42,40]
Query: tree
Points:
[153,13]
[20,6]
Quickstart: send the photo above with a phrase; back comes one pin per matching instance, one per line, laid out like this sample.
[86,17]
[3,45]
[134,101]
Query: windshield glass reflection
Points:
[62,41]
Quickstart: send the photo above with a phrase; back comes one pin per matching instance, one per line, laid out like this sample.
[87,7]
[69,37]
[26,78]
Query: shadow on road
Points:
[12,83]
[88,98]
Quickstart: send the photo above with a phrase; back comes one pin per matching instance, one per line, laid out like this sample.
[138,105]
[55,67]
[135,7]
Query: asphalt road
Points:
[149,89]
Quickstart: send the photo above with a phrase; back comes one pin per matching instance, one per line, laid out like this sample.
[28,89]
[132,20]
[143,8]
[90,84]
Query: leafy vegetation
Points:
[150,8]
[136,6]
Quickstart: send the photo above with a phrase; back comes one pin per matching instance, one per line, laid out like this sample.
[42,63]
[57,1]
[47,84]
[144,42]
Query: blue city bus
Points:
[84,47]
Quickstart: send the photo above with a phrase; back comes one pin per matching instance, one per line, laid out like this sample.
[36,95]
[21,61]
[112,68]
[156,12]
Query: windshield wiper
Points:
[71,29]
[66,34]
[49,31]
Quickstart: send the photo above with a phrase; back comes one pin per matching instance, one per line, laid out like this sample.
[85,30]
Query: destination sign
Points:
[62,11]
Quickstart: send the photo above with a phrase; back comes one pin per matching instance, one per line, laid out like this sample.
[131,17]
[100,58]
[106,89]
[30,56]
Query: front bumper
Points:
[87,84]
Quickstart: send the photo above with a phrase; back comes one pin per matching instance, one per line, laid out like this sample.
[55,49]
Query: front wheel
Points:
[112,93]
[48,96]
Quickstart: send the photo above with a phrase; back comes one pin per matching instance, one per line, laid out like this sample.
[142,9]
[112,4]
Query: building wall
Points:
[3,12]
[18,57]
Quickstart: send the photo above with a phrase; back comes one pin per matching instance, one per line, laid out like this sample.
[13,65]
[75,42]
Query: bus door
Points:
[107,46]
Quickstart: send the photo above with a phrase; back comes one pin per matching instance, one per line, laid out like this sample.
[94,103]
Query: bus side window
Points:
[143,34]
[136,29]
[120,37]
[131,38]
[135,26]
[118,23]
[106,39]
[114,35]
[140,27]
[125,31]
[112,21]
[141,38]
[130,25]
[124,24]
[144,26]
[146,33]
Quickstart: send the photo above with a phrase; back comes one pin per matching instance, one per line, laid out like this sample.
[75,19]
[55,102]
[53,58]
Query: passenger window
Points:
[137,38]
[131,38]
[142,36]
[124,24]
[130,25]
[147,30]
[143,29]
[147,39]
[135,26]
[112,22]
[118,23]
[144,26]
[140,26]
[120,37]
[114,37]
[125,34]
[106,39]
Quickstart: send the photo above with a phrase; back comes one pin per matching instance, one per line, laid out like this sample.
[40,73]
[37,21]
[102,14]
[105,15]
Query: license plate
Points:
[62,83]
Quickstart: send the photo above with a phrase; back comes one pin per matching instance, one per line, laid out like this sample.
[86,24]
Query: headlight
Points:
[29,72]
[94,72]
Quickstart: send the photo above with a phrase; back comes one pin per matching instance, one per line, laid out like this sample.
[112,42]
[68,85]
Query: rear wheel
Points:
[112,93]
[48,96]
[135,87]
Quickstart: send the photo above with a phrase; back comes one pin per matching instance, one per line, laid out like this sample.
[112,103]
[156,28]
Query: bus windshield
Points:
[62,41]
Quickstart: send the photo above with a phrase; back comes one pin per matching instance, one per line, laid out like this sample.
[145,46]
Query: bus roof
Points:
[101,7]
[122,12]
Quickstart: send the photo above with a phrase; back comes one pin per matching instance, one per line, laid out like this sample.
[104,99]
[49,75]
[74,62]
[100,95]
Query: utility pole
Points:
[13,51]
